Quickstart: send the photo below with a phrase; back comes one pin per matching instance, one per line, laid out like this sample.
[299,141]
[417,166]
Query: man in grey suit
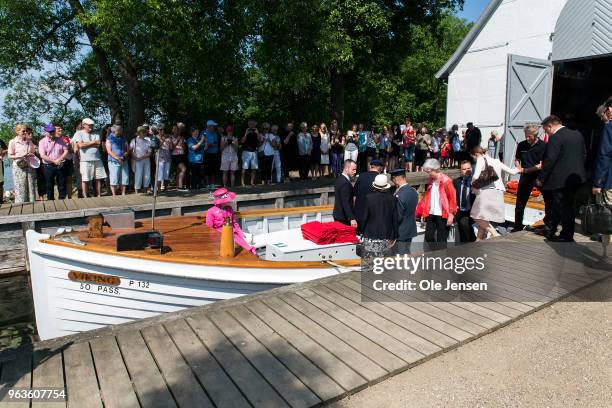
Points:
[406,202]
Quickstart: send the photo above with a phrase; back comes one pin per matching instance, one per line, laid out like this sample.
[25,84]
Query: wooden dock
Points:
[301,345]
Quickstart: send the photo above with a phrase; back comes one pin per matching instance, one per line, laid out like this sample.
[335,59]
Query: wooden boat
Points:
[82,283]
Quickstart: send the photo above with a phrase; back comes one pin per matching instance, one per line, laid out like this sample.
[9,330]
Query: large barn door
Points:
[528,98]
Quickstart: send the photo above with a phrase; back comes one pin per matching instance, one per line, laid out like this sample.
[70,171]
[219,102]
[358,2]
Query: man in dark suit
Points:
[363,187]
[407,199]
[344,195]
[562,174]
[465,199]
[473,137]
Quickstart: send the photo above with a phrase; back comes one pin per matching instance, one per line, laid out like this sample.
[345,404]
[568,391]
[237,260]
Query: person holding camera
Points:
[195,157]
[229,157]
[250,142]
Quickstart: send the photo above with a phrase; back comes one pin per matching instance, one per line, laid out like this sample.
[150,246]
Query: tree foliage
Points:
[136,60]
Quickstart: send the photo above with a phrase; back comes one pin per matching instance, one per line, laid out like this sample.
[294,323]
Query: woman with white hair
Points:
[489,189]
[438,206]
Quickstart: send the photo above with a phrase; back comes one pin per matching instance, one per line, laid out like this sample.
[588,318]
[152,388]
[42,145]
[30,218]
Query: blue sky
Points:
[472,9]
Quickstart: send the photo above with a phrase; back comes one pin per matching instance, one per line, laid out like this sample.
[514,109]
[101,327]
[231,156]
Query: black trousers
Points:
[436,232]
[464,225]
[266,167]
[304,166]
[525,186]
[194,175]
[54,175]
[562,211]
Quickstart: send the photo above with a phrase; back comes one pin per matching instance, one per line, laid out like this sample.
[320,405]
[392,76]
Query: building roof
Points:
[445,71]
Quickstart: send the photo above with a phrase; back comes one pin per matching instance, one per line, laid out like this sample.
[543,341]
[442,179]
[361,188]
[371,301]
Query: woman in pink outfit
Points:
[215,217]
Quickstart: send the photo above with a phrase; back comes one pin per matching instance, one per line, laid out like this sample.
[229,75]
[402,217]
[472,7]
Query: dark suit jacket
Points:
[380,216]
[407,199]
[457,184]
[343,200]
[473,138]
[563,163]
[603,165]
[363,187]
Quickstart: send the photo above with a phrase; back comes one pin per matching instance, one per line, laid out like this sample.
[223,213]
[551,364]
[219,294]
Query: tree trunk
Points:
[337,89]
[112,97]
[129,74]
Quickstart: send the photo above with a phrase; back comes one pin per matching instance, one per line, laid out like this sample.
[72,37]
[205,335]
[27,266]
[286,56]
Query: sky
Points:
[472,9]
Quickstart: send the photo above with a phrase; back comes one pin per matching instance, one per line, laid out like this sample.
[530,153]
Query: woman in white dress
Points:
[489,204]
[324,149]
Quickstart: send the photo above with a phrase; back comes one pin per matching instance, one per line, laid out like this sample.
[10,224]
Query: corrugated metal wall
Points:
[584,29]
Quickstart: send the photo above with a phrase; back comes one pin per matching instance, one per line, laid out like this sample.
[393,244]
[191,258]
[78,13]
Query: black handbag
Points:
[486,177]
[597,218]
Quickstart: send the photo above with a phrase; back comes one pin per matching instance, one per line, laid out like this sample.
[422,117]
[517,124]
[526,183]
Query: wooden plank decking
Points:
[82,207]
[298,346]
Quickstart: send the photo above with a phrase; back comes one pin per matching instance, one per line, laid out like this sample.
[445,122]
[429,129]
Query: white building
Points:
[525,59]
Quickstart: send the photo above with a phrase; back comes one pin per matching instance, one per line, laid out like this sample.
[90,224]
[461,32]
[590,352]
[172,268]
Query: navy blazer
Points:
[603,165]
[379,216]
[407,199]
[343,200]
[363,187]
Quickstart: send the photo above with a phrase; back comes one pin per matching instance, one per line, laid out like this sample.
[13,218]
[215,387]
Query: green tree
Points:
[137,60]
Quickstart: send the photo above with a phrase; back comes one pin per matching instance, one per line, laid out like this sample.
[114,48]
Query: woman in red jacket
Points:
[438,206]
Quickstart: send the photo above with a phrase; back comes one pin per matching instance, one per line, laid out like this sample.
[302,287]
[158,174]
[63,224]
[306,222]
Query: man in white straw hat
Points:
[380,227]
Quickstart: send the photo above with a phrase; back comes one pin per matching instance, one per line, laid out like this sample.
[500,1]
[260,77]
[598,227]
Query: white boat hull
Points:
[147,288]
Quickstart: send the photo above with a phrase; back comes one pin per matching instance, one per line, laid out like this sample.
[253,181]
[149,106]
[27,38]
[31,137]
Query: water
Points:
[8,174]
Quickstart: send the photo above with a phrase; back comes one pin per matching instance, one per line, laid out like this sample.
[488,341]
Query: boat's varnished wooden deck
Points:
[187,240]
[296,346]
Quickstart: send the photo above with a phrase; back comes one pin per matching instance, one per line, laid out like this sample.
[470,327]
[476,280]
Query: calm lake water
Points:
[8,174]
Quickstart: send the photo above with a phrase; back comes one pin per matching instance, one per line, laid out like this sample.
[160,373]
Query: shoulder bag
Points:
[486,177]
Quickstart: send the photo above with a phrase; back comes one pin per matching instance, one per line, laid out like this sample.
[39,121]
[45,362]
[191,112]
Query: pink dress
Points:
[215,217]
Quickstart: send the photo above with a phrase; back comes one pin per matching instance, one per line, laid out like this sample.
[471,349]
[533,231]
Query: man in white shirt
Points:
[91,167]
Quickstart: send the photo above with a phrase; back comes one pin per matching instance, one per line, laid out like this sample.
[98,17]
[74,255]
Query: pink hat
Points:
[222,196]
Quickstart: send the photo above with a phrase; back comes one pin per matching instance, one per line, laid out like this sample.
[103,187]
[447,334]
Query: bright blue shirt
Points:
[211,138]
[117,147]
[194,156]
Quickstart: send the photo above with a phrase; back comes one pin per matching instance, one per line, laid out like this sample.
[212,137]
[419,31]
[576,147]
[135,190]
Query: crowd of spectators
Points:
[97,160]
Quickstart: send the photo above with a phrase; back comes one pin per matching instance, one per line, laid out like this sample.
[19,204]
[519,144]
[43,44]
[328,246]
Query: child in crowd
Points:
[446,151]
